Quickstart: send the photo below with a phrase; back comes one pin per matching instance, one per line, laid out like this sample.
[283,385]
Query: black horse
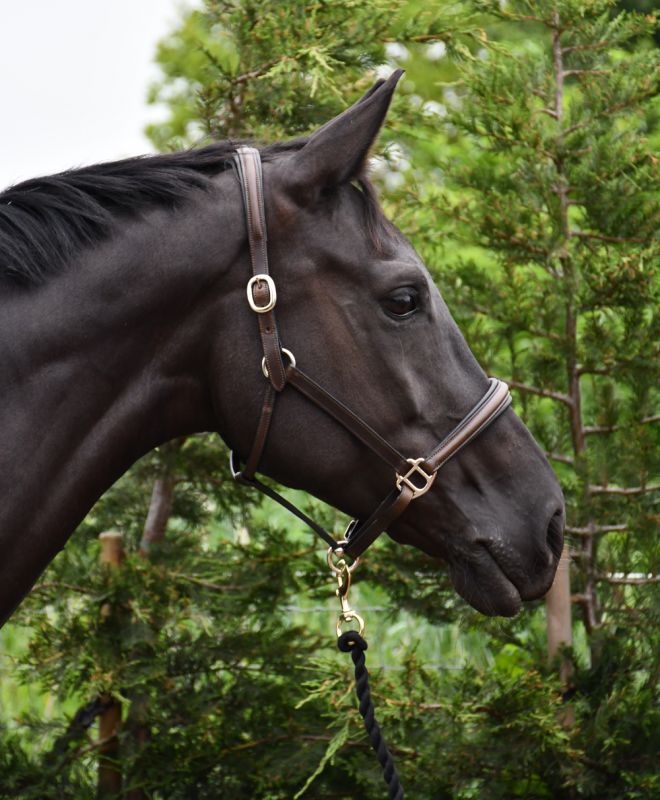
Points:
[124,323]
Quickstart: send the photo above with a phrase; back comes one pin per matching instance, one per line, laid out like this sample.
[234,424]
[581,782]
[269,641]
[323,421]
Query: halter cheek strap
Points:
[413,476]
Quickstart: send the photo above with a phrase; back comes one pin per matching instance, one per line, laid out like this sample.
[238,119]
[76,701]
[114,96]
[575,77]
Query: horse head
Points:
[359,312]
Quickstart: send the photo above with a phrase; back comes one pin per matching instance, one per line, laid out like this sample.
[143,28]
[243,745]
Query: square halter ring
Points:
[272,292]
[416,471]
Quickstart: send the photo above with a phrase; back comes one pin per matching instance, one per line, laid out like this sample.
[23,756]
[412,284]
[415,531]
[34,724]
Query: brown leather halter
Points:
[413,476]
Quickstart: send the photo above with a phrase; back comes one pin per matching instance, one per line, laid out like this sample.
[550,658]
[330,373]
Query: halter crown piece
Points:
[413,476]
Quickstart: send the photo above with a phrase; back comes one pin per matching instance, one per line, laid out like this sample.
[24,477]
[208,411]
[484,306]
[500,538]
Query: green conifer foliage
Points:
[560,189]
[520,156]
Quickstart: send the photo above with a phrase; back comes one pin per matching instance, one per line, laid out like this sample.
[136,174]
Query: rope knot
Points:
[349,640]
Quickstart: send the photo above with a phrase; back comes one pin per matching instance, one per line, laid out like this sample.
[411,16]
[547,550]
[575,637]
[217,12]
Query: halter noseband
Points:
[413,476]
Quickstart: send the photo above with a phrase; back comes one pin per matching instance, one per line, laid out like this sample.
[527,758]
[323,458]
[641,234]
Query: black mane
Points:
[44,222]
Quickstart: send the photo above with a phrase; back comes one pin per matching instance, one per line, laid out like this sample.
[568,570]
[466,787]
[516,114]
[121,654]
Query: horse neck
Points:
[98,366]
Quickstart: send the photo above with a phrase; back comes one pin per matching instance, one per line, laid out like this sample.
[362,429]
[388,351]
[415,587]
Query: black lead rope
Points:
[351,642]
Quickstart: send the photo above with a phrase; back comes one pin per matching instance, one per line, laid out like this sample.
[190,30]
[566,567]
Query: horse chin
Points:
[476,575]
[486,588]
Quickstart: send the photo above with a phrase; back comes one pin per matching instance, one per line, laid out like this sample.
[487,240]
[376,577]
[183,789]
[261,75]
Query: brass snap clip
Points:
[343,572]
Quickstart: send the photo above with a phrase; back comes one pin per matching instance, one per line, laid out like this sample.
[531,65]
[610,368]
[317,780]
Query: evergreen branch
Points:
[417,706]
[628,580]
[513,17]
[561,458]
[89,748]
[509,142]
[609,110]
[488,312]
[574,48]
[259,71]
[613,428]
[603,238]
[591,530]
[559,396]
[568,72]
[584,151]
[516,242]
[216,587]
[625,490]
[284,557]
[399,751]
[419,38]
[43,587]
[592,429]
[585,370]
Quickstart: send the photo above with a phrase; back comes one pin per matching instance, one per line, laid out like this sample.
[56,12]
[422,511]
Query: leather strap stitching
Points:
[347,418]
[250,176]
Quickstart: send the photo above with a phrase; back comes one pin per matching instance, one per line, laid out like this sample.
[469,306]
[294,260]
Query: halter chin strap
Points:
[413,476]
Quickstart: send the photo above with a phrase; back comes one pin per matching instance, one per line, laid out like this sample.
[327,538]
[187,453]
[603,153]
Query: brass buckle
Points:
[415,469]
[272,291]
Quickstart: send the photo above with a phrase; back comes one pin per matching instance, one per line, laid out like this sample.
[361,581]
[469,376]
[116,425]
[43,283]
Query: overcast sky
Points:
[73,81]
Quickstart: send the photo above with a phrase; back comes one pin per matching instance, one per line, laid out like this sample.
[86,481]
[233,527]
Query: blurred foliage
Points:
[538,216]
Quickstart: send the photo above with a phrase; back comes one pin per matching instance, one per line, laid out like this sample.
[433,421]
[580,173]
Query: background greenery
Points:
[520,157]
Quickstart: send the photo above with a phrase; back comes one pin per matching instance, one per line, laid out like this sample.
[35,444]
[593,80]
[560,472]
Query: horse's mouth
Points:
[495,589]
[489,572]
[496,582]
[486,587]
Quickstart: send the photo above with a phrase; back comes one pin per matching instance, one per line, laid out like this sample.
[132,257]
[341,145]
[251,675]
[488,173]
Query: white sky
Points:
[73,81]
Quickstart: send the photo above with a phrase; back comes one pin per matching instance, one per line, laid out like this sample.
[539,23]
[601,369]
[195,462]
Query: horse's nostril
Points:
[555,534]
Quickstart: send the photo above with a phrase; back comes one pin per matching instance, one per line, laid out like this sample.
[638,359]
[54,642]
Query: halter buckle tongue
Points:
[417,488]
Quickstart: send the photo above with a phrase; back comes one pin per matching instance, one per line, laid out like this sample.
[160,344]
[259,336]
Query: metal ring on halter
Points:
[272,293]
[286,352]
[339,567]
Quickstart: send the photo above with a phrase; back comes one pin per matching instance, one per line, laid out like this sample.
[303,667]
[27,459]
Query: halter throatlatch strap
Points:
[413,476]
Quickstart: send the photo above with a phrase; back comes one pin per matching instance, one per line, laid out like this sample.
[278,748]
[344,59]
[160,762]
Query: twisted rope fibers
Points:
[351,642]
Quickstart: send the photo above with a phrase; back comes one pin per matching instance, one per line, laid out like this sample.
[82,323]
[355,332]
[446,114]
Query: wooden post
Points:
[109,782]
[559,625]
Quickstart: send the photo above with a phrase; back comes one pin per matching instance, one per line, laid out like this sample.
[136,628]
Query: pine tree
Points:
[561,190]
[532,194]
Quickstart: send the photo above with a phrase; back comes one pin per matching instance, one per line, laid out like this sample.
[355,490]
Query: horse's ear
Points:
[337,151]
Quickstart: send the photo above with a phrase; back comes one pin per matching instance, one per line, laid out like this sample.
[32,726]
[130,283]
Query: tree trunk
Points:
[109,775]
[159,512]
[155,526]
[558,606]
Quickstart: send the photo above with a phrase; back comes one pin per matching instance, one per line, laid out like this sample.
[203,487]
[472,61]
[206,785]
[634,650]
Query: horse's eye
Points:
[401,302]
